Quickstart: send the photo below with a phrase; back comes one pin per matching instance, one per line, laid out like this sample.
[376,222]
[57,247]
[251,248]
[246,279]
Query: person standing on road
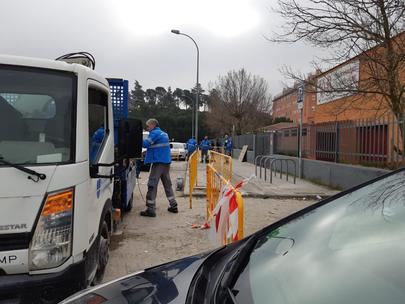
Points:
[191,147]
[205,146]
[228,145]
[158,155]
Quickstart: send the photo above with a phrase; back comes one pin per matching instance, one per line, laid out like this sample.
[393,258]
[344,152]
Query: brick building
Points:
[285,105]
[341,125]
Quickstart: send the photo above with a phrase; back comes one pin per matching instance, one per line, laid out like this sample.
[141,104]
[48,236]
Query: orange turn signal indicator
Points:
[58,202]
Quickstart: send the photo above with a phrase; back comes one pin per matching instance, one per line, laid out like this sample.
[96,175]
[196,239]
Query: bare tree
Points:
[371,31]
[239,100]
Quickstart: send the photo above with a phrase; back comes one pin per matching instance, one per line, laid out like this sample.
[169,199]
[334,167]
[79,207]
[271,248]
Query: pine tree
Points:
[136,97]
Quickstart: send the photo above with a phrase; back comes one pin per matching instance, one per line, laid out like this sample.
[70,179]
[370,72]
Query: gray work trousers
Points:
[204,156]
[159,172]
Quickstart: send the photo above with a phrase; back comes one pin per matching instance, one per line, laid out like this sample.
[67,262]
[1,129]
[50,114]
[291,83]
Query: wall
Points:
[286,106]
[335,175]
[339,175]
[362,106]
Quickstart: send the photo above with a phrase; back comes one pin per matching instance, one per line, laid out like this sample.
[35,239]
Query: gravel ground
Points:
[144,242]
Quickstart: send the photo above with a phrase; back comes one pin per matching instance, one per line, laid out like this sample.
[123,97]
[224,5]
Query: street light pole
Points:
[300,103]
[177,32]
[192,113]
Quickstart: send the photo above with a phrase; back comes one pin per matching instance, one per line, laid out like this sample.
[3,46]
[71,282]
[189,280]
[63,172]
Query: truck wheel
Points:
[103,253]
[130,203]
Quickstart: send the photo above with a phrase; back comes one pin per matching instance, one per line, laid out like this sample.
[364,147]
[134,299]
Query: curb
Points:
[272,196]
[315,197]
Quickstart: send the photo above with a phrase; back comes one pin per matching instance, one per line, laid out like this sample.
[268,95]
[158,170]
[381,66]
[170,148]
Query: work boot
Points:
[148,213]
[173,209]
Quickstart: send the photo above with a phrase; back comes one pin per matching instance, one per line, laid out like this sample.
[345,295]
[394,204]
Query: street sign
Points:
[300,105]
[300,94]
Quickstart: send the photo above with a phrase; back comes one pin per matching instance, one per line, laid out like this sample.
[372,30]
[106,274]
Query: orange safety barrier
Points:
[220,190]
[222,163]
[192,173]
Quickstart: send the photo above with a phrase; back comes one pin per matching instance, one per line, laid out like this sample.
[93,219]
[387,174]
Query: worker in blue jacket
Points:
[158,155]
[191,146]
[205,146]
[95,143]
[228,145]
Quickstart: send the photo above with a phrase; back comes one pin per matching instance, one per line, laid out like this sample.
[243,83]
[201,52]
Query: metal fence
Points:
[370,142]
[243,140]
[259,143]
[262,144]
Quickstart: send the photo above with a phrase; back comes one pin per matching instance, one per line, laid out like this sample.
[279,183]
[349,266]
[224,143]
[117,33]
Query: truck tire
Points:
[103,252]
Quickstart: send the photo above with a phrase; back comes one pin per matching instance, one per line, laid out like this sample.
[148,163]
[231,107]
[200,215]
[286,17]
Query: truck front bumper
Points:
[44,288]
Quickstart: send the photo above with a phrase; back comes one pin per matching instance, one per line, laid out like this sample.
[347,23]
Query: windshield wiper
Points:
[26,170]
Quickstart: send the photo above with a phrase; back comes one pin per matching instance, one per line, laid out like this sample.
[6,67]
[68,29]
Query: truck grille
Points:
[14,241]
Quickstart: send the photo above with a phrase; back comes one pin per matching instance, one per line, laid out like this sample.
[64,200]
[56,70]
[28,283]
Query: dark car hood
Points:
[167,283]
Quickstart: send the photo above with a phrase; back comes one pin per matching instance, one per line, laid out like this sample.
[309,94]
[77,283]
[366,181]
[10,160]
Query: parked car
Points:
[178,150]
[346,249]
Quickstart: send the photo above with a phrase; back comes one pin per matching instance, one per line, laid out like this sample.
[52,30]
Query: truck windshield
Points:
[36,115]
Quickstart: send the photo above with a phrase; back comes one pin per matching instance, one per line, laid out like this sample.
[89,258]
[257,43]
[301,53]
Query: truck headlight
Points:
[51,244]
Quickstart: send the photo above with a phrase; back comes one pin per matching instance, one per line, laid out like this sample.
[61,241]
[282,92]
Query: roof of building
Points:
[279,126]
[285,92]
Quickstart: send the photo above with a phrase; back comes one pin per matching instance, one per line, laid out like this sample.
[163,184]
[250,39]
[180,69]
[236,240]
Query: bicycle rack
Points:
[263,161]
[281,160]
[256,162]
[266,160]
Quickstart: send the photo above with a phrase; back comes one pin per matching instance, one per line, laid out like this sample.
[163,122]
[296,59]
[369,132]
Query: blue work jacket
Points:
[205,145]
[228,144]
[158,147]
[191,145]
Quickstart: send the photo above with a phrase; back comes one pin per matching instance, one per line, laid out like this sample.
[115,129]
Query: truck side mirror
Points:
[130,138]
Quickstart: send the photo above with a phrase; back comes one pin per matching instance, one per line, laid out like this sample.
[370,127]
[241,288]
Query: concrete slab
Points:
[259,188]
[279,188]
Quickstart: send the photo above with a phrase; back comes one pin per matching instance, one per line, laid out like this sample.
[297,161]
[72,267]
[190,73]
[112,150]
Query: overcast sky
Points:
[131,39]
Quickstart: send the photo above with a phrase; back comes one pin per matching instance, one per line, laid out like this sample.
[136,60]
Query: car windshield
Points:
[348,251]
[36,115]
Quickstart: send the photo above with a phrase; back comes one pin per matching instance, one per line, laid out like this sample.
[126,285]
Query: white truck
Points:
[62,175]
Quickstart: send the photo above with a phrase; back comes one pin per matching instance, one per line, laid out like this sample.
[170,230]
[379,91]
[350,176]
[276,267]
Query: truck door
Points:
[101,151]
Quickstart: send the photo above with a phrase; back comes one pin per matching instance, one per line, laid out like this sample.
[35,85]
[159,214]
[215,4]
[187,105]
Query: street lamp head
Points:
[177,32]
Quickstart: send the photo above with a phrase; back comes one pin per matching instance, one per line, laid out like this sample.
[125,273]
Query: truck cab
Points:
[58,176]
